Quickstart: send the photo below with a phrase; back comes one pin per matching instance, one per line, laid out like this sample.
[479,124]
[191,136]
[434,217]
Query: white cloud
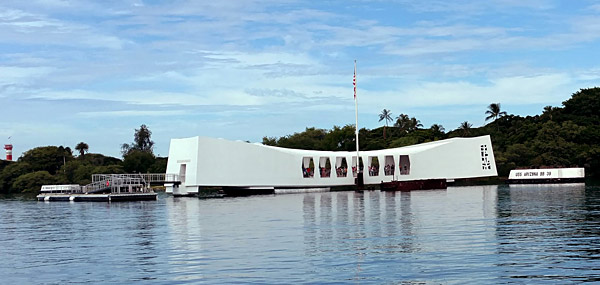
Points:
[518,90]
[15,75]
[269,63]
[28,28]
[132,113]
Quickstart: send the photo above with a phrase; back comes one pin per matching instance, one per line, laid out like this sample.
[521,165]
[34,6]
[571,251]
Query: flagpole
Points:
[356,116]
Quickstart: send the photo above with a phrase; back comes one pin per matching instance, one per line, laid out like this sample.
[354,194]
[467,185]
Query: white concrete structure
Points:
[201,161]
[547,174]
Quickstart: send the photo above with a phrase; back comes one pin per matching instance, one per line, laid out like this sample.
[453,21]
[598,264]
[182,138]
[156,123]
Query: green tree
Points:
[414,124]
[494,112]
[404,141]
[48,158]
[99,159]
[311,138]
[10,173]
[520,154]
[403,123]
[141,141]
[437,128]
[138,161]
[340,139]
[108,169]
[465,128]
[4,163]
[387,116]
[82,175]
[437,131]
[582,108]
[32,182]
[159,165]
[549,111]
[82,148]
[272,141]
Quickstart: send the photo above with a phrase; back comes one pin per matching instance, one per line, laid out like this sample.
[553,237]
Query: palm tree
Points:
[407,124]
[402,122]
[82,148]
[494,112]
[387,116]
[466,128]
[437,130]
[414,124]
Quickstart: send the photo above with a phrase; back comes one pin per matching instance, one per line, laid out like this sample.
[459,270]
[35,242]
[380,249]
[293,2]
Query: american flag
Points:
[354,82]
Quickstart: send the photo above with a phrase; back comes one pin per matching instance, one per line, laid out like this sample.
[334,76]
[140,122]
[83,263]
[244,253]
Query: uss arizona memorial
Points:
[205,162]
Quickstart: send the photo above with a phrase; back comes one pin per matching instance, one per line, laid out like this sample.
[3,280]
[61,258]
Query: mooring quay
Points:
[109,188]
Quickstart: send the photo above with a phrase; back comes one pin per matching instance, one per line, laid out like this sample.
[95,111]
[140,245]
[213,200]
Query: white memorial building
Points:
[205,162]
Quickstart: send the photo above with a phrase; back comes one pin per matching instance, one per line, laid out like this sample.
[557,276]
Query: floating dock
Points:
[112,197]
[108,188]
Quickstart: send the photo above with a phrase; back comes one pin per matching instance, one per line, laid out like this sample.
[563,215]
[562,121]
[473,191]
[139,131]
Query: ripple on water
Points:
[483,234]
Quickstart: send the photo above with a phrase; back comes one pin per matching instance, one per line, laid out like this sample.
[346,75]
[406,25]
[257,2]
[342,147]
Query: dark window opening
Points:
[373,166]
[360,164]
[324,167]
[341,167]
[404,165]
[308,167]
[390,165]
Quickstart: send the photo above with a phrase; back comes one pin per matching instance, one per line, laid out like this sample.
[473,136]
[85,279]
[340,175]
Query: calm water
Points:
[482,234]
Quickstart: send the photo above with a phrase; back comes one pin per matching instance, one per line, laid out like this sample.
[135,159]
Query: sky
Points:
[94,71]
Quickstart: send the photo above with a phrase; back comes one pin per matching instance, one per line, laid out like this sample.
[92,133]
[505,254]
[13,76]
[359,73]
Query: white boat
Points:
[62,189]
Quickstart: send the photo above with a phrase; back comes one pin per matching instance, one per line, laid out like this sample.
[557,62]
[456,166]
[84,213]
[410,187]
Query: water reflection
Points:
[407,241]
[326,226]
[544,227]
[310,225]
[390,214]
[184,238]
[481,234]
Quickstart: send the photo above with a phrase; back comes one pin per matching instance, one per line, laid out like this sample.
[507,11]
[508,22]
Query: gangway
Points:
[118,183]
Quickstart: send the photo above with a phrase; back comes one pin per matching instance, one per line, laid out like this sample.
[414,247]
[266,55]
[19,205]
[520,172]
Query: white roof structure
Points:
[202,161]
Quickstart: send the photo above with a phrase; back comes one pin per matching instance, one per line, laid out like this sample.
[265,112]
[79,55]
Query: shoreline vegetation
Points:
[58,165]
[564,136]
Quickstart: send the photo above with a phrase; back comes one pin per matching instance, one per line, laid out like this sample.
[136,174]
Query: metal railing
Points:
[115,182]
[146,177]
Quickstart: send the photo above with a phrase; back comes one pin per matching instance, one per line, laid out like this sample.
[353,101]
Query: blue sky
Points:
[94,71]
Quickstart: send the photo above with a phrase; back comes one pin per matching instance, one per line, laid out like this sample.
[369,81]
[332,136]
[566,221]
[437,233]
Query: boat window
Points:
[341,167]
[308,167]
[324,167]
[404,165]
[360,164]
[390,165]
[373,166]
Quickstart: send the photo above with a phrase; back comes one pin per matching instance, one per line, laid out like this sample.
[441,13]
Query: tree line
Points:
[59,165]
[564,136]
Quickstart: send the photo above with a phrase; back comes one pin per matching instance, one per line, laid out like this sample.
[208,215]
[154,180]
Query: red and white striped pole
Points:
[8,148]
